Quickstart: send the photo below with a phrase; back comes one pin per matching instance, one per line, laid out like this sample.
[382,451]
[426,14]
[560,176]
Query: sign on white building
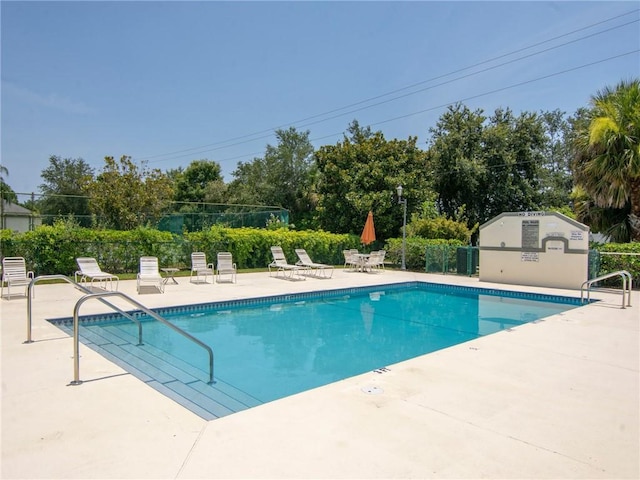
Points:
[545,249]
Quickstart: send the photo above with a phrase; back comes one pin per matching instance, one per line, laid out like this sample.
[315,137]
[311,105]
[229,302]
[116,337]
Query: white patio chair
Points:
[374,262]
[305,261]
[350,259]
[90,270]
[200,267]
[150,273]
[226,266]
[280,265]
[15,274]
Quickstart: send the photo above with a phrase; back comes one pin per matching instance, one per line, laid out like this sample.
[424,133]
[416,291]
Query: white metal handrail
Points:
[626,288]
[99,295]
[79,287]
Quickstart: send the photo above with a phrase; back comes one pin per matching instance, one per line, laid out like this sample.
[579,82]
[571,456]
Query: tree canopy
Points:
[607,163]
[488,165]
[201,181]
[65,182]
[283,177]
[361,173]
[124,196]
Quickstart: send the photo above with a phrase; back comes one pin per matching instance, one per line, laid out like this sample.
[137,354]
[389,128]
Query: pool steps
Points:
[170,376]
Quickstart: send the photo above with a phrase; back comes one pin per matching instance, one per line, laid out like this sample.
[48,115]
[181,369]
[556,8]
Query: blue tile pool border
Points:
[340,292]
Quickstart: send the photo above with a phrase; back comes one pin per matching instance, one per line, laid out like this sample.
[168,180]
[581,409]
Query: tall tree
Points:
[6,192]
[361,173]
[456,153]
[124,196]
[556,179]
[607,163]
[283,177]
[198,182]
[513,158]
[487,165]
[64,185]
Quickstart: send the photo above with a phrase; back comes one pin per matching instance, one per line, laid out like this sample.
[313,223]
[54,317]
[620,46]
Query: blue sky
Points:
[172,82]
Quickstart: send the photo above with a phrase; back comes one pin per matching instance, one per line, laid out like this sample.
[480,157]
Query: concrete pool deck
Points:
[558,398]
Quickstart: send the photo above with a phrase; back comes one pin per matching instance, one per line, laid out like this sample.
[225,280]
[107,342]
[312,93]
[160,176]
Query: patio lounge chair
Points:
[150,273]
[200,267]
[226,266]
[305,261]
[14,274]
[280,265]
[90,270]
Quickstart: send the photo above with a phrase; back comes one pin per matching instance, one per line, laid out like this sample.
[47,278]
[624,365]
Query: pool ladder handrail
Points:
[79,287]
[626,288]
[99,295]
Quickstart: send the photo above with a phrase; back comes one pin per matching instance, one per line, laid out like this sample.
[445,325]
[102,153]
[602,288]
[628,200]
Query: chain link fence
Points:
[452,259]
[449,259]
[30,211]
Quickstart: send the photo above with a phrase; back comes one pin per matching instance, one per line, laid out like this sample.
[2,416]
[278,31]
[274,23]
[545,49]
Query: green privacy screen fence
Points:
[452,259]
[466,260]
[195,221]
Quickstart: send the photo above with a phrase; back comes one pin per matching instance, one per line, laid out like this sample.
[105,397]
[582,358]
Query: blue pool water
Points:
[266,349]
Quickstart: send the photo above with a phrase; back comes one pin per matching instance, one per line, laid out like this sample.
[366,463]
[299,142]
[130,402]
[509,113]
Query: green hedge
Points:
[251,246]
[54,249]
[614,263]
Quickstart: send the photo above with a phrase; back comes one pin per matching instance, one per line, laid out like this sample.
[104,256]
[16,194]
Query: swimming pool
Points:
[270,348]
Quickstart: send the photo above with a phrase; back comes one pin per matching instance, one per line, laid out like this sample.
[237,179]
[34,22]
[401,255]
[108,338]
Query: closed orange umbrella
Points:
[369,231]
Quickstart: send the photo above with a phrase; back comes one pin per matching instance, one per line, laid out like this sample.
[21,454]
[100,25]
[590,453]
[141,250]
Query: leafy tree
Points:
[488,165]
[124,196]
[456,152]
[357,133]
[283,177]
[555,178]
[607,163]
[6,192]
[427,223]
[361,173]
[613,222]
[64,185]
[198,182]
[513,158]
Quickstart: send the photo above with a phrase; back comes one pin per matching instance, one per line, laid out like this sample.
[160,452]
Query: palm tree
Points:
[6,192]
[607,164]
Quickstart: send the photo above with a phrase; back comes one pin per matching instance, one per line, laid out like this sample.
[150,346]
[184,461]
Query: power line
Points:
[461,100]
[464,76]
[519,84]
[270,130]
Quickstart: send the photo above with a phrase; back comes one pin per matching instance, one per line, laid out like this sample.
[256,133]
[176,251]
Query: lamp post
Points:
[403,201]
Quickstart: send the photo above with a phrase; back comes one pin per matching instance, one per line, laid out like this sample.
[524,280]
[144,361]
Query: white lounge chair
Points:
[305,260]
[150,273]
[280,265]
[90,270]
[226,266]
[200,267]
[14,274]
